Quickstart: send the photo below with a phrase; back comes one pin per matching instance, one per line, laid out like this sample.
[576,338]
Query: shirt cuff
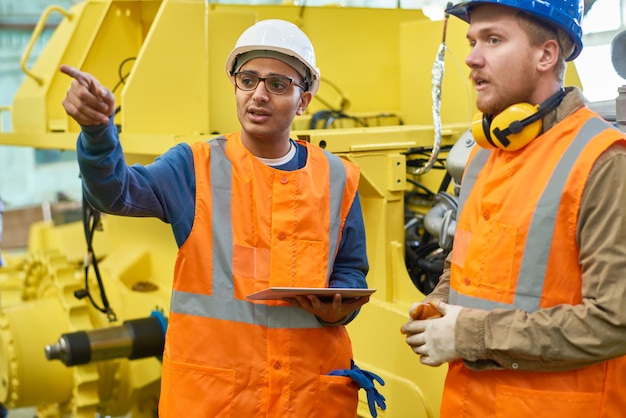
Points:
[343,321]
[469,334]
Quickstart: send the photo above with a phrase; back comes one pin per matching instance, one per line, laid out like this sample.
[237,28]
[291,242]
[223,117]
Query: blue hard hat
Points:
[566,15]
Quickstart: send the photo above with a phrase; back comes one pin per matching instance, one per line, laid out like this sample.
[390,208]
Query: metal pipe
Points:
[134,339]
[35,35]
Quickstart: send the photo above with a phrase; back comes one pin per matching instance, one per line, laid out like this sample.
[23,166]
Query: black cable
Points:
[122,80]
[429,193]
[344,100]
[122,76]
[445,182]
[332,114]
[325,103]
[440,163]
[91,222]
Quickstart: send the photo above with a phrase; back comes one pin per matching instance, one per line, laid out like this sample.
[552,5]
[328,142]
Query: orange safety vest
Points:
[516,248]
[256,227]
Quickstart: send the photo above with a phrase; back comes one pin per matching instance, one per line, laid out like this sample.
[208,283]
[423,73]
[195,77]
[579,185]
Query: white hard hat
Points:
[275,35]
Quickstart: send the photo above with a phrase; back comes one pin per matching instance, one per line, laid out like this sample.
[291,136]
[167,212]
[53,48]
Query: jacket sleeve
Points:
[442,290]
[164,189]
[351,264]
[566,337]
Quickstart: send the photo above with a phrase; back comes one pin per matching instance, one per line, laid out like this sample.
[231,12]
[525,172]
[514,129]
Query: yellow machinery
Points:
[164,60]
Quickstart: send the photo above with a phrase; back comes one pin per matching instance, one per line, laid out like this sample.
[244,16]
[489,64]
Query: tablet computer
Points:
[325,293]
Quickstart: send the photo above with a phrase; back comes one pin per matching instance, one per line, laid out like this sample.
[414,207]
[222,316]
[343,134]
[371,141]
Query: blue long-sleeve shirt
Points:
[166,189]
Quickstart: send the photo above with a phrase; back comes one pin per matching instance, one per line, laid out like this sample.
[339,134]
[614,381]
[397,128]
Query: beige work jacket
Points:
[588,333]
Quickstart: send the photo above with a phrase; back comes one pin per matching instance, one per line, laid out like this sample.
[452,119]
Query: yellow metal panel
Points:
[357,50]
[41,140]
[113,51]
[419,44]
[36,107]
[178,84]
[397,172]
[224,29]
[412,390]
[571,76]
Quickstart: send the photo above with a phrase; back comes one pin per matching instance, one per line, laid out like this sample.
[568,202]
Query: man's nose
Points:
[260,92]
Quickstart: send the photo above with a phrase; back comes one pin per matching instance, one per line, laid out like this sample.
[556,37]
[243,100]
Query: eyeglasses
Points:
[276,84]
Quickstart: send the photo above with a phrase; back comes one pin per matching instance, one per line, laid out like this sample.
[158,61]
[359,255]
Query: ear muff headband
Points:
[515,127]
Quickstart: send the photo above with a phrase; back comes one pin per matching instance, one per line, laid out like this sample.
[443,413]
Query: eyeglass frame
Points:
[263,79]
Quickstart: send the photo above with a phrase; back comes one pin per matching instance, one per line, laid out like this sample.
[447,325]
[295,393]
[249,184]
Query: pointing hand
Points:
[86,100]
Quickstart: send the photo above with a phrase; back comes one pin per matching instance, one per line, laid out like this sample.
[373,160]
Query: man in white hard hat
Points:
[532,320]
[249,210]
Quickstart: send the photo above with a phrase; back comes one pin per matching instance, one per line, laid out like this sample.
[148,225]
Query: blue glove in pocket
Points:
[365,380]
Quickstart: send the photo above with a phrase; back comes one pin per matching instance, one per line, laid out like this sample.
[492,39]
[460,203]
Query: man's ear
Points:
[550,55]
[305,99]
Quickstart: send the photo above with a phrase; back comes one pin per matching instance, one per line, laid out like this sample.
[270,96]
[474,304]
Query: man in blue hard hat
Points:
[531,300]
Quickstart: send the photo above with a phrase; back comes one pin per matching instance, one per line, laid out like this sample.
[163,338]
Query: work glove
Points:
[421,311]
[365,380]
[433,339]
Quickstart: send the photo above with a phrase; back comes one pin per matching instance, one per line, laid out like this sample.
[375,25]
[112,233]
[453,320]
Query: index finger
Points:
[413,327]
[77,75]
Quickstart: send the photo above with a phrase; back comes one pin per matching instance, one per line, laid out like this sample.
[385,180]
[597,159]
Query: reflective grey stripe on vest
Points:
[222,304]
[471,173]
[337,185]
[538,242]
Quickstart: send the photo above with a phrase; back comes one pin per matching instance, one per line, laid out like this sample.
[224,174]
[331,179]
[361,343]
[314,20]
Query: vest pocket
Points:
[311,263]
[490,261]
[198,391]
[336,397]
[514,402]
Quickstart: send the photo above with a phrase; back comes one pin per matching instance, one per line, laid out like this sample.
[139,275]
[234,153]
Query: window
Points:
[603,22]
